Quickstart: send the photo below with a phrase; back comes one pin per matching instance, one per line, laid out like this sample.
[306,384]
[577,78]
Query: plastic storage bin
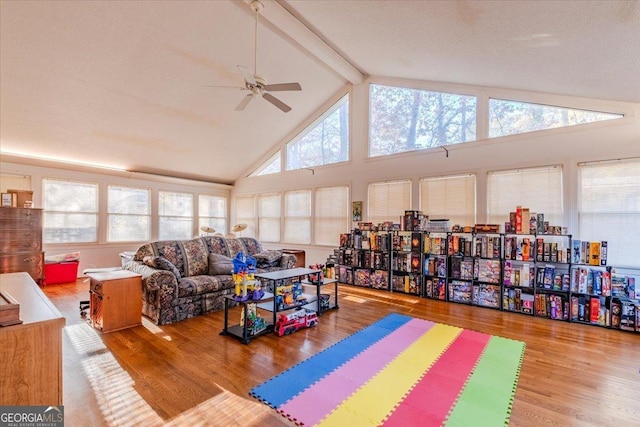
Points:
[60,272]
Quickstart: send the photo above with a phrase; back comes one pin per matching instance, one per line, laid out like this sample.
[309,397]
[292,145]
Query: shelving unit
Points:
[269,303]
[319,305]
[406,262]
[435,265]
[530,274]
[242,331]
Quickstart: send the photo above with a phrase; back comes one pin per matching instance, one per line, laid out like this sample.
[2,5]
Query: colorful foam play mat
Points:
[402,371]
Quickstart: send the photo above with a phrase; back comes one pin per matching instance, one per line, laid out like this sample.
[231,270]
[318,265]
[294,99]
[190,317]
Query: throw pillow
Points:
[268,258]
[162,263]
[220,264]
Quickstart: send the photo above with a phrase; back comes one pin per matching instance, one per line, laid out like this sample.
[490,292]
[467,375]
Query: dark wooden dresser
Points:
[21,242]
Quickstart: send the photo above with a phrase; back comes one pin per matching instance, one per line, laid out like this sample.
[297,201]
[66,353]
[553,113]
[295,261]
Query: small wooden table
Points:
[115,300]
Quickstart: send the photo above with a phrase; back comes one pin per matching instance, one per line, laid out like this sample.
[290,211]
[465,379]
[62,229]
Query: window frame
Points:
[620,250]
[289,229]
[70,213]
[111,215]
[556,218]
[213,220]
[448,92]
[453,217]
[374,217]
[265,221]
[319,221]
[188,217]
[334,107]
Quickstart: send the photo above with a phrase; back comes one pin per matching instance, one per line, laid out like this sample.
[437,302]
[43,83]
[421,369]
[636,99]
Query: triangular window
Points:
[326,141]
[508,117]
[271,165]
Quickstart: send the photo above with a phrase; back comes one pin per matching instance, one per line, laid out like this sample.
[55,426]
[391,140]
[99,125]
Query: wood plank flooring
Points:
[186,374]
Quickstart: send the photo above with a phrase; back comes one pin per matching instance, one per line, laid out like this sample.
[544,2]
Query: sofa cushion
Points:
[162,263]
[216,245]
[251,245]
[220,264]
[236,246]
[197,285]
[196,257]
[268,258]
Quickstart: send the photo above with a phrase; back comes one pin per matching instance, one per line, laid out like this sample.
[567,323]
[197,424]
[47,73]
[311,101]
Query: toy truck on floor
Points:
[291,322]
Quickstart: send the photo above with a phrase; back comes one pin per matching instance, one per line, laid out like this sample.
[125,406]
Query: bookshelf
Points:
[406,262]
[487,270]
[542,275]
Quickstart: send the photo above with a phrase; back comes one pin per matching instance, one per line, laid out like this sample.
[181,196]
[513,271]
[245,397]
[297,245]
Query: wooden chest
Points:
[21,242]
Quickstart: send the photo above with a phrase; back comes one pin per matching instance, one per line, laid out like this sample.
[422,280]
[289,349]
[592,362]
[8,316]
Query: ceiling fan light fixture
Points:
[257,84]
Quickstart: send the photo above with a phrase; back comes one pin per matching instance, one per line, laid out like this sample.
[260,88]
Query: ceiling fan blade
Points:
[248,77]
[275,101]
[226,87]
[245,101]
[283,86]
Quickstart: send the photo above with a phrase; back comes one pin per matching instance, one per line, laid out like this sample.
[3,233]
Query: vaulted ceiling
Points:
[122,83]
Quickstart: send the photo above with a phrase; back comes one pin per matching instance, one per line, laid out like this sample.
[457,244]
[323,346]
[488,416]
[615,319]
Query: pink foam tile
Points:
[320,400]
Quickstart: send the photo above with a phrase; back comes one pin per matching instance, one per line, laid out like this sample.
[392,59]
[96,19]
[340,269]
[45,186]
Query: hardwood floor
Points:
[187,374]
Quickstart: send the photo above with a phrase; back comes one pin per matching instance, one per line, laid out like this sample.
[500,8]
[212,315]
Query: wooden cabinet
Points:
[31,352]
[115,300]
[21,242]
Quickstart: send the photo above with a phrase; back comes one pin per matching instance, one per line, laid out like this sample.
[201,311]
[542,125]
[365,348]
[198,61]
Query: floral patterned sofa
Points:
[178,281]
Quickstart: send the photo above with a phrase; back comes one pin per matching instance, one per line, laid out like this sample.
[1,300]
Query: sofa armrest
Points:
[154,279]
[288,261]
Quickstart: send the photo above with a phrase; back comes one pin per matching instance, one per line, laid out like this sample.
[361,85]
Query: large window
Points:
[175,212]
[387,201]
[246,213]
[452,197]
[403,119]
[269,217]
[70,211]
[512,117]
[609,208]
[539,189]
[331,214]
[129,211]
[297,216]
[212,212]
[325,141]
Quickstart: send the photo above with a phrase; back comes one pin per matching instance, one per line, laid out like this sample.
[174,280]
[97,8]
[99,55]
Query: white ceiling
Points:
[120,83]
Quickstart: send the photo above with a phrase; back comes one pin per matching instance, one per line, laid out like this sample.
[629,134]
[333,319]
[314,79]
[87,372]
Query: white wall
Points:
[103,253]
[566,146]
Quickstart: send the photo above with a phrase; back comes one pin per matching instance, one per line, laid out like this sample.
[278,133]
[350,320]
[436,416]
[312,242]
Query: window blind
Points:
[452,197]
[609,208]
[387,201]
[539,189]
[331,214]
[175,212]
[297,219]
[269,217]
[246,213]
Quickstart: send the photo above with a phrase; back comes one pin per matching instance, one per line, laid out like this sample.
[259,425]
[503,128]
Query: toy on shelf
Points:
[289,296]
[255,322]
[291,322]
[317,277]
[247,287]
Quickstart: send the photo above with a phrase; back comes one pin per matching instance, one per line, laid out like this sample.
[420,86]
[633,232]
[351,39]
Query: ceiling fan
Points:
[256,84]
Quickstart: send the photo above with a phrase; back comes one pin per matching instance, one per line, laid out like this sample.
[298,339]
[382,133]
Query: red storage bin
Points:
[60,272]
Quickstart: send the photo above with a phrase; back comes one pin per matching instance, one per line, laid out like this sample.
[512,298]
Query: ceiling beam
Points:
[310,41]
